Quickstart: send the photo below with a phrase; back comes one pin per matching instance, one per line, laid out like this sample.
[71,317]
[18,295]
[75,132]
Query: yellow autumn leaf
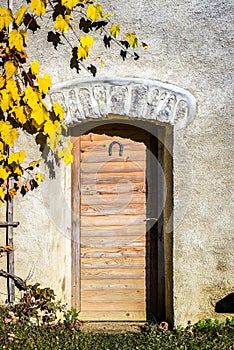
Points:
[58,110]
[19,17]
[18,170]
[115,30]
[83,2]
[82,53]
[35,67]
[44,83]
[83,49]
[17,157]
[144,45]
[10,69]
[86,41]
[131,39]
[5,18]
[12,192]
[53,140]
[3,173]
[39,177]
[8,134]
[38,6]
[94,12]
[2,147]
[20,114]
[106,15]
[32,96]
[2,194]
[12,87]
[6,248]
[51,127]
[68,158]
[62,24]
[4,100]
[69,3]
[102,63]
[69,143]
[17,39]
[66,155]
[2,81]
[39,115]
[3,154]
[35,163]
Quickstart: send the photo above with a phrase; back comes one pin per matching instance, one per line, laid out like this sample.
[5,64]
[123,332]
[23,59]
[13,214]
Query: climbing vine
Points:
[23,89]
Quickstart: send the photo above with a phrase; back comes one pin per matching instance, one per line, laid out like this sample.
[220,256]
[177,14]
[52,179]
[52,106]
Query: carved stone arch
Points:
[153,101]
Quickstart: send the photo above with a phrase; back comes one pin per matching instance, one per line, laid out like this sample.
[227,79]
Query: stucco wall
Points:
[189,46]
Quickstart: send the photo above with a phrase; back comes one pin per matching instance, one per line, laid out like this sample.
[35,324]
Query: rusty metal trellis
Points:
[9,224]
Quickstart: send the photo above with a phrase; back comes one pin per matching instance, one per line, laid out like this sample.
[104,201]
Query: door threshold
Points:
[113,326]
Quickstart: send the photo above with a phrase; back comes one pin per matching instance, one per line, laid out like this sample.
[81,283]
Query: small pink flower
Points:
[7,320]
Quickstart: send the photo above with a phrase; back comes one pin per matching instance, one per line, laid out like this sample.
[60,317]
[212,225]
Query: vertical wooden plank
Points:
[10,255]
[75,233]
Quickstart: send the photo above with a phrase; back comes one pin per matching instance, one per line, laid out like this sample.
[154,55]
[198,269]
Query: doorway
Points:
[118,198]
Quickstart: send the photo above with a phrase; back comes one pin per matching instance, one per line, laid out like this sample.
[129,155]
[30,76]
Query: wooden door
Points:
[112,228]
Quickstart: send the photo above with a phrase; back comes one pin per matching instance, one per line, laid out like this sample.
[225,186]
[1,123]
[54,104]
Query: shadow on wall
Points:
[225,305]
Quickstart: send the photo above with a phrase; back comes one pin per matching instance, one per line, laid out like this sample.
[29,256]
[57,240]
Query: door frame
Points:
[159,306]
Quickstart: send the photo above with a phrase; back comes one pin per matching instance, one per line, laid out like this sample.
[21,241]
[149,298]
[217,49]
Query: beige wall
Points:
[189,46]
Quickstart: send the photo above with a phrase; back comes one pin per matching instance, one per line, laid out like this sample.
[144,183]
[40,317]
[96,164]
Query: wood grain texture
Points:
[112,251]
[108,198]
[117,188]
[103,157]
[113,178]
[111,166]
[105,273]
[119,296]
[113,240]
[112,231]
[107,210]
[103,262]
[113,316]
[114,306]
[119,284]
[97,220]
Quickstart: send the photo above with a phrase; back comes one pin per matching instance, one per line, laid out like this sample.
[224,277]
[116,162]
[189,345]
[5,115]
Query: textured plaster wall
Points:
[189,46]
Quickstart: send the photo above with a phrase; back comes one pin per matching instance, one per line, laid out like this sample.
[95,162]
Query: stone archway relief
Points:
[85,100]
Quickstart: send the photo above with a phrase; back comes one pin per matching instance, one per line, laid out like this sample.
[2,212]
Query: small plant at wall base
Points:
[23,90]
[37,306]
